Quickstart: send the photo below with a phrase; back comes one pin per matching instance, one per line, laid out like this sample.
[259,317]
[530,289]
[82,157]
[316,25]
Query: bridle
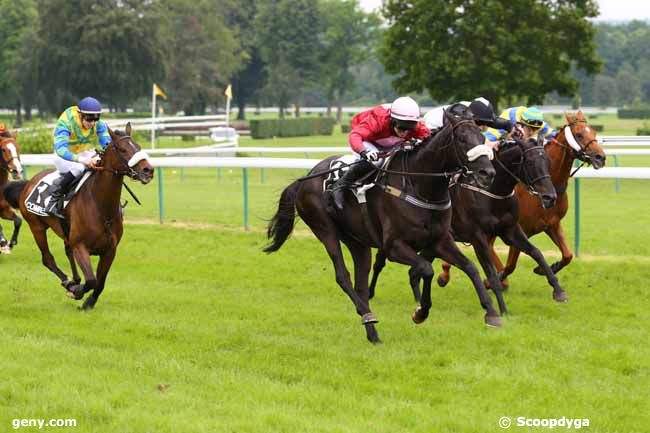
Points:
[579,150]
[522,162]
[5,163]
[127,165]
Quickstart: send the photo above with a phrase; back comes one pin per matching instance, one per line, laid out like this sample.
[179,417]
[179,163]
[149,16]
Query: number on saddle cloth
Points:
[339,166]
[38,199]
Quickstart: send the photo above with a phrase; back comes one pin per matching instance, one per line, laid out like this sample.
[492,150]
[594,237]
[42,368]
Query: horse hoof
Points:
[442,282]
[560,297]
[419,315]
[5,250]
[493,321]
[539,271]
[75,292]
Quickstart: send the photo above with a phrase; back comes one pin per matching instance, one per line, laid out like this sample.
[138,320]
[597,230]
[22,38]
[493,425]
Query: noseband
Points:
[127,165]
[530,184]
[5,163]
[578,149]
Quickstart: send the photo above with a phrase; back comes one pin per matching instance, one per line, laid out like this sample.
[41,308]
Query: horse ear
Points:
[569,117]
[128,128]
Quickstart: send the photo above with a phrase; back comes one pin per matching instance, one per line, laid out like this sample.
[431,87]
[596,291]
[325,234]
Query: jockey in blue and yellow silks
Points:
[78,133]
[530,122]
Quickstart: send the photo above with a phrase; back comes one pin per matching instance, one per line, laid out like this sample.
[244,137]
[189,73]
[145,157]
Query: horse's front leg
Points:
[82,256]
[380,263]
[104,265]
[482,249]
[73,265]
[557,236]
[4,244]
[399,251]
[447,250]
[518,238]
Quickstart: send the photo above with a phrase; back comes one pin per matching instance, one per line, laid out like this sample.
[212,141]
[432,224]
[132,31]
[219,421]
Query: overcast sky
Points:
[610,10]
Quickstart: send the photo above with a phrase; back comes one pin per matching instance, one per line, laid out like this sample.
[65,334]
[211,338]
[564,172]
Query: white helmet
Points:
[405,108]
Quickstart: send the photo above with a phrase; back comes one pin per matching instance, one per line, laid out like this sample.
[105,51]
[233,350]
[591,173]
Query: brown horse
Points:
[575,140]
[406,210]
[93,224]
[9,163]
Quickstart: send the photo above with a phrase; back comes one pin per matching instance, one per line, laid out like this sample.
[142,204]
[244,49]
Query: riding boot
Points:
[347,181]
[58,189]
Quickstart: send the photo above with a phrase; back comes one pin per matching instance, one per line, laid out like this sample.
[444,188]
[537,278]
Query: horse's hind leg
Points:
[445,274]
[40,236]
[104,265]
[326,234]
[7,213]
[4,243]
[557,236]
[447,250]
[518,238]
[380,263]
[496,260]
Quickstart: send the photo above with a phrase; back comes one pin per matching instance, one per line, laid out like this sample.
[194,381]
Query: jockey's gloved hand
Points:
[369,155]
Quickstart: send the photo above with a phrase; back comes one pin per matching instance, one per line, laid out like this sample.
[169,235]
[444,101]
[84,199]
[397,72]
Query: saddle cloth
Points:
[38,200]
[339,167]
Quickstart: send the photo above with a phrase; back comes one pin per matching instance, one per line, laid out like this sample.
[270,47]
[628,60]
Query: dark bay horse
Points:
[575,140]
[406,210]
[93,224]
[9,164]
[481,214]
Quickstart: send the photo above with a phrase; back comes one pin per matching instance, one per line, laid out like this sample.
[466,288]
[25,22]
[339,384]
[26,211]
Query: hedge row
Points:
[345,128]
[267,128]
[634,113]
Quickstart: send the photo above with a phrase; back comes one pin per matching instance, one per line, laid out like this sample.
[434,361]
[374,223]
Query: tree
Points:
[504,50]
[348,40]
[288,37]
[202,54]
[109,49]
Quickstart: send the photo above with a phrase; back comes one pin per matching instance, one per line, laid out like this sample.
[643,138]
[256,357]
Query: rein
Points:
[529,185]
[578,150]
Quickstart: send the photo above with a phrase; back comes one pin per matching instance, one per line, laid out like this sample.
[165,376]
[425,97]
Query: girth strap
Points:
[443,205]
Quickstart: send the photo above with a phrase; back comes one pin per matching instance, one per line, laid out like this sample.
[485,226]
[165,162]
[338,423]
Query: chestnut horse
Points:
[9,163]
[405,210]
[93,224]
[575,140]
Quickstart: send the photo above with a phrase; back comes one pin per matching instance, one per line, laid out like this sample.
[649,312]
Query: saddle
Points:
[38,200]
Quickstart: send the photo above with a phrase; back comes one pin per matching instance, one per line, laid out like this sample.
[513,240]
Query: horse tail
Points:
[282,223]
[12,192]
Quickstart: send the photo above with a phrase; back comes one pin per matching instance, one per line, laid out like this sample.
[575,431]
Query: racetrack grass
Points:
[199,331]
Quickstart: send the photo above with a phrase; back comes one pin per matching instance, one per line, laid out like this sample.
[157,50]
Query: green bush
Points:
[188,138]
[557,116]
[267,128]
[644,130]
[345,128]
[597,127]
[634,113]
[37,138]
[124,115]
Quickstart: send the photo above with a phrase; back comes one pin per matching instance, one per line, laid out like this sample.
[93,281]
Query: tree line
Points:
[290,53]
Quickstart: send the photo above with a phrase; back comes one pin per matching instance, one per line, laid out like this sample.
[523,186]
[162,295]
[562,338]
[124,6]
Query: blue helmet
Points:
[90,105]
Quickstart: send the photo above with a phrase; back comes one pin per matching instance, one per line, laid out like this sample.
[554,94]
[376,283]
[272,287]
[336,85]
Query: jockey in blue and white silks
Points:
[529,119]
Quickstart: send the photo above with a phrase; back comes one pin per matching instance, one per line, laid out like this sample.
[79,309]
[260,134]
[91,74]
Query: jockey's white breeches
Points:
[76,168]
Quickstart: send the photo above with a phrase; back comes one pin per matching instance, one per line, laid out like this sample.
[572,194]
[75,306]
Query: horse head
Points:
[10,157]
[528,163]
[470,153]
[582,140]
[125,157]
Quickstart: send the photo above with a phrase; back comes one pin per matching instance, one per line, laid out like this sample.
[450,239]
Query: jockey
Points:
[480,109]
[529,123]
[78,132]
[379,129]
[4,132]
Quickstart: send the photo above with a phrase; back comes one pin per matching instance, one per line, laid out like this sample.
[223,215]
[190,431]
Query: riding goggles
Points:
[90,117]
[535,124]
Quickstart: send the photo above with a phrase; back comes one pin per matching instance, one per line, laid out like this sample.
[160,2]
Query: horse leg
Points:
[9,214]
[447,250]
[380,263]
[482,249]
[518,238]
[104,265]
[557,236]
[4,243]
[362,258]
[325,233]
[73,265]
[399,251]
[511,263]
[414,276]
[496,260]
[82,257]
[444,276]
[40,236]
